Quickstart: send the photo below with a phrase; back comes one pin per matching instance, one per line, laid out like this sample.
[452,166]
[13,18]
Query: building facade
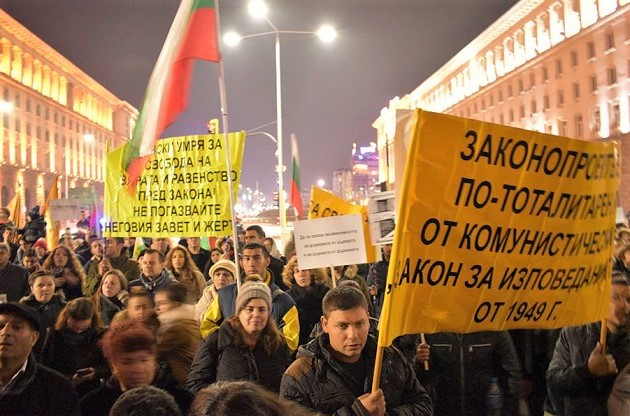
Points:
[54,120]
[553,66]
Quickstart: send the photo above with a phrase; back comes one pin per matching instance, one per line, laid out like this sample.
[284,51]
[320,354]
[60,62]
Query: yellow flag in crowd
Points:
[326,204]
[52,227]
[500,228]
[16,211]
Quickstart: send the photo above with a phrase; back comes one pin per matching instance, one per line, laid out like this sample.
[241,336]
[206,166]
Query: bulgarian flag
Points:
[193,35]
[295,195]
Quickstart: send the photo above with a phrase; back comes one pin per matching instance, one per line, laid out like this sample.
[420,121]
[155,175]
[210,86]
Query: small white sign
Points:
[382,217]
[330,241]
[65,209]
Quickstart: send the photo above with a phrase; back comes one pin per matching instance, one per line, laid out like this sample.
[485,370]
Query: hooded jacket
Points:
[178,339]
[317,381]
[223,357]
[40,391]
[36,227]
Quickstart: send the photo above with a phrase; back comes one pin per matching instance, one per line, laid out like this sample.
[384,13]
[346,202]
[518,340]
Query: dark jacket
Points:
[574,391]
[108,310]
[66,352]
[99,402]
[460,369]
[309,306]
[36,227]
[144,285]
[40,391]
[14,282]
[317,381]
[48,313]
[222,356]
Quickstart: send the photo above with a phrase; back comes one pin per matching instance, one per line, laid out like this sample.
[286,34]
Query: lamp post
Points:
[326,33]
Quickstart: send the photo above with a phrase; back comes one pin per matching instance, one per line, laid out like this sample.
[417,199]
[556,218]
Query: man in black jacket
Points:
[13,278]
[255,234]
[333,373]
[27,388]
[581,375]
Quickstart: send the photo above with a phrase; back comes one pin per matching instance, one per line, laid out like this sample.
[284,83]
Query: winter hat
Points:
[41,243]
[253,290]
[225,265]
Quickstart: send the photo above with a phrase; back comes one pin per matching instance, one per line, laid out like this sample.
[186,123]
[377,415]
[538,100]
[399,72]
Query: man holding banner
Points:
[332,372]
[582,372]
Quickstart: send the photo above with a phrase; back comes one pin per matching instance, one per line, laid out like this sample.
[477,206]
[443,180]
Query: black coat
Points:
[460,369]
[100,401]
[222,356]
[48,313]
[40,391]
[309,306]
[67,352]
[14,282]
[317,381]
[574,391]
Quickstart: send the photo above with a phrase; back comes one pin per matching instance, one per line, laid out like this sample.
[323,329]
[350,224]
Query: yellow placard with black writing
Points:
[326,204]
[500,228]
[182,190]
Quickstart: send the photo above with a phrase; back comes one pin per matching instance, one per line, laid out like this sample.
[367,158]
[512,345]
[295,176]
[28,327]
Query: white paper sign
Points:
[330,241]
[65,209]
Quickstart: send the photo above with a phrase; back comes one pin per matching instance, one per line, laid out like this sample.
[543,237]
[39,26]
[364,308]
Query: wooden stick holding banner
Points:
[424,341]
[603,332]
[332,276]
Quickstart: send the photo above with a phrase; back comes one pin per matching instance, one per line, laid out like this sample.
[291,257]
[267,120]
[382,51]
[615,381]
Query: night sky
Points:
[332,93]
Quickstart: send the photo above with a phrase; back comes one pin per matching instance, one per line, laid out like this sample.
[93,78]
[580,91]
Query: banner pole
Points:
[332,276]
[224,118]
[602,336]
[424,341]
[376,378]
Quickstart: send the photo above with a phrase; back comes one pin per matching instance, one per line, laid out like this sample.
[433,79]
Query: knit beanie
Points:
[253,290]
[223,264]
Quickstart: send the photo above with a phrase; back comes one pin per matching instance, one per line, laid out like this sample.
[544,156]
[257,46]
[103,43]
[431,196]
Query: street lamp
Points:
[321,183]
[326,33]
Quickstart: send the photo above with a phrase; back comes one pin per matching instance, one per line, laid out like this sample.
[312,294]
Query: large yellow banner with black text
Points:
[500,228]
[182,190]
[326,204]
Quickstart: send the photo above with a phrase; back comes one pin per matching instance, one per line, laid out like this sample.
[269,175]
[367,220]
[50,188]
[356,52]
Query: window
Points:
[590,49]
[18,127]
[560,97]
[558,68]
[615,117]
[597,120]
[63,121]
[610,40]
[579,126]
[501,120]
[491,99]
[521,86]
[17,101]
[511,114]
[574,59]
[546,104]
[28,105]
[534,108]
[532,80]
[562,128]
[545,74]
[5,94]
[500,96]
[521,111]
[611,75]
[592,80]
[575,87]
[509,91]
[28,129]
[38,110]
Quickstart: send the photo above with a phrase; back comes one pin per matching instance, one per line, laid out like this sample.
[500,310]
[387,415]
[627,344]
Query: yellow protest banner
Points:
[324,203]
[500,228]
[182,189]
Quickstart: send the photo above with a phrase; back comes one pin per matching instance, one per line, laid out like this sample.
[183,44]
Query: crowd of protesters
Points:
[90,327]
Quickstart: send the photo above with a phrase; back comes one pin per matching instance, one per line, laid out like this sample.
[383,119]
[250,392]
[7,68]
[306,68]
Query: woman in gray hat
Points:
[247,346]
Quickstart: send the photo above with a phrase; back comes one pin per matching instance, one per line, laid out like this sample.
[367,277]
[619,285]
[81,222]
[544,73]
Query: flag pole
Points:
[224,119]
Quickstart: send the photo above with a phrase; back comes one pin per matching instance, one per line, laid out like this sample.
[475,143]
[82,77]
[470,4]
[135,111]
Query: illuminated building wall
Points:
[554,66]
[54,119]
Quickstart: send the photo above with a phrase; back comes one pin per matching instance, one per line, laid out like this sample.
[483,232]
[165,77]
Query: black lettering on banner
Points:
[431,230]
[434,273]
[487,310]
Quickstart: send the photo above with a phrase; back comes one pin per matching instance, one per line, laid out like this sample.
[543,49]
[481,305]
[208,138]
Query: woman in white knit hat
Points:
[247,346]
[222,273]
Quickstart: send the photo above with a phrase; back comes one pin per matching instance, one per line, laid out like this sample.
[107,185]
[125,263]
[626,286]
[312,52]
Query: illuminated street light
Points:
[326,33]
[321,183]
